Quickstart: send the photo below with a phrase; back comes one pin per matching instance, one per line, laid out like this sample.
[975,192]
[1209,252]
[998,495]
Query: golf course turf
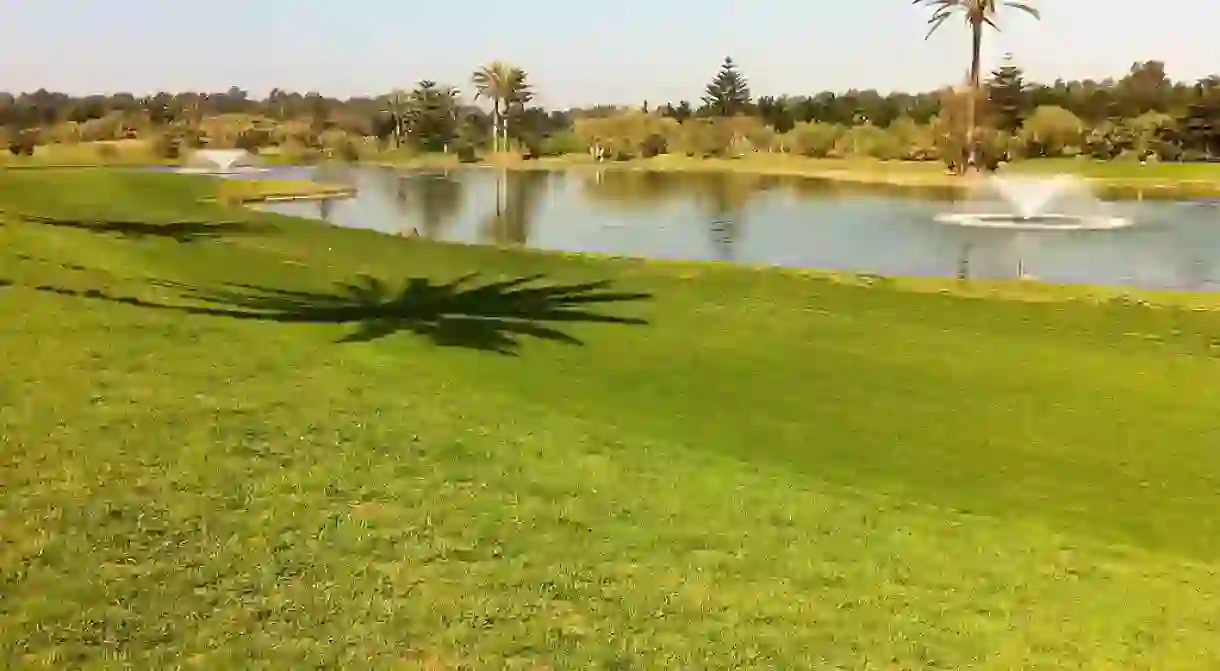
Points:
[274,444]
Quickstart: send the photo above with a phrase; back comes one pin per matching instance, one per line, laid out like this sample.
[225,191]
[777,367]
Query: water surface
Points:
[783,221]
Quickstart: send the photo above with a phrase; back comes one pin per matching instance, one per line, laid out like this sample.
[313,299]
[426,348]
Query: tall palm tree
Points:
[397,106]
[506,86]
[977,13]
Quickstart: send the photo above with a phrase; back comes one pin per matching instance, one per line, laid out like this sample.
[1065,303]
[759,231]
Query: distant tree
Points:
[977,13]
[1198,131]
[1006,96]
[729,92]
[397,105]
[431,115]
[777,113]
[508,89]
[1143,89]
[681,112]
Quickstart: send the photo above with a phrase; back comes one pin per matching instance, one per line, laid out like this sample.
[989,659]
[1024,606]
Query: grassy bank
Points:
[1165,179]
[1126,177]
[215,455]
[260,190]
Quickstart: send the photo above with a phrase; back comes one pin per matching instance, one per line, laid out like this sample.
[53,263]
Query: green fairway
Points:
[274,444]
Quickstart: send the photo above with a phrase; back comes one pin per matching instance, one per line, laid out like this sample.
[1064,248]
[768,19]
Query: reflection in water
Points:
[992,254]
[792,222]
[423,203]
[725,196]
[721,197]
[633,189]
[433,200]
[817,187]
[518,195]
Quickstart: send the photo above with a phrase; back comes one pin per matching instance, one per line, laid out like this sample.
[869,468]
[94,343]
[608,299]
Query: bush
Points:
[466,153]
[654,145]
[705,138]
[252,140]
[533,147]
[348,150]
[564,142]
[23,145]
[813,139]
[1052,131]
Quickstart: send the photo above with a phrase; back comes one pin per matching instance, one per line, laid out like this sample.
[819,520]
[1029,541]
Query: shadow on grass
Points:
[491,317]
[180,231]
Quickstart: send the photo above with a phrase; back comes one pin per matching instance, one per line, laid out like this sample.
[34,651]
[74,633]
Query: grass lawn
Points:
[213,455]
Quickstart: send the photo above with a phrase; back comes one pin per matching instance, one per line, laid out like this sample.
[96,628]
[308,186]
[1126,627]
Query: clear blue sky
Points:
[576,52]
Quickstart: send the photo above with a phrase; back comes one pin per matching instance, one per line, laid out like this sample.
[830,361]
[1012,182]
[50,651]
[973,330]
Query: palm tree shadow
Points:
[179,231]
[492,317]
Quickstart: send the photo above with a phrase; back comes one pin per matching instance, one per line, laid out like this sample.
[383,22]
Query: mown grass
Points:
[776,471]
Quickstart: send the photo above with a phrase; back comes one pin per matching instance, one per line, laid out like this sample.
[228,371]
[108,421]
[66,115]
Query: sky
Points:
[576,52]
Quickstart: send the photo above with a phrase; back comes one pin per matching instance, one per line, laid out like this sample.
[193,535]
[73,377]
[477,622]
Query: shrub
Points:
[252,140]
[813,139]
[348,150]
[1052,131]
[466,153]
[705,137]
[654,145]
[533,147]
[24,144]
[564,142]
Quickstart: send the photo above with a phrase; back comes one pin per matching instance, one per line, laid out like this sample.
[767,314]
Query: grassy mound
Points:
[283,445]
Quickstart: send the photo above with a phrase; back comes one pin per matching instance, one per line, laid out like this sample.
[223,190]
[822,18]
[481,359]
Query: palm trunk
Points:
[504,127]
[976,49]
[496,146]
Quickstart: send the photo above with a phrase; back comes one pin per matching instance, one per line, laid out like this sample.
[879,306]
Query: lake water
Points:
[796,222]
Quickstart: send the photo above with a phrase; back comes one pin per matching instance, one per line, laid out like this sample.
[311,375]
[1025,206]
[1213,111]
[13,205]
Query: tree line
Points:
[1143,114]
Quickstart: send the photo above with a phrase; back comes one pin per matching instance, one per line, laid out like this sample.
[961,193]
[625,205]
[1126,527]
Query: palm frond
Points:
[936,22]
[1024,7]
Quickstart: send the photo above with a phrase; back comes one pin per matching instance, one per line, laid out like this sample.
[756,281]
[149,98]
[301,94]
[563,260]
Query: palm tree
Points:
[507,89]
[978,13]
[396,107]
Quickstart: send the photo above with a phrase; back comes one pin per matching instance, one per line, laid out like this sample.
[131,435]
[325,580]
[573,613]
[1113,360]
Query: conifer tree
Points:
[729,92]
[1006,95]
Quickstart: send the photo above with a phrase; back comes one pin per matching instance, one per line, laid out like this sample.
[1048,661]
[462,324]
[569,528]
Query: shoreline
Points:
[900,174]
[848,172]
[1015,290]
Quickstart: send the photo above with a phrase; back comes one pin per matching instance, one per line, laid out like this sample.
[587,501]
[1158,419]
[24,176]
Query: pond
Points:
[752,219]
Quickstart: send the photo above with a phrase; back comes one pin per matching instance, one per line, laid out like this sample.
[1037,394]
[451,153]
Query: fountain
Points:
[222,162]
[1063,202]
